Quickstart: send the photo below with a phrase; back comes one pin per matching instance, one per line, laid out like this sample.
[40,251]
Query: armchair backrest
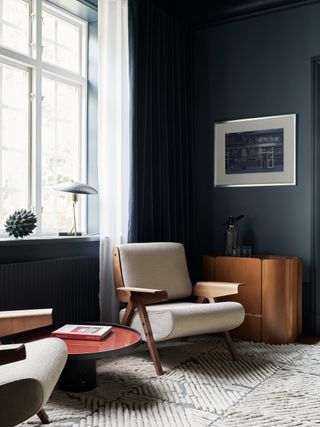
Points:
[154,266]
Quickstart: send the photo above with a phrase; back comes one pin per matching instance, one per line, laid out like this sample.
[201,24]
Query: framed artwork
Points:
[255,152]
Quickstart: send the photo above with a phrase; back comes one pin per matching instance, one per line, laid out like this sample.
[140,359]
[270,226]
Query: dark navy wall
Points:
[254,67]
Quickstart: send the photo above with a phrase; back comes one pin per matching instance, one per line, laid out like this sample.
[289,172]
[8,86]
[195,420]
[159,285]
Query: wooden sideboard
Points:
[272,295]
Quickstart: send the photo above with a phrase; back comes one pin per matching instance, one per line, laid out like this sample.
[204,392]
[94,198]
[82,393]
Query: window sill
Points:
[48,240]
[47,247]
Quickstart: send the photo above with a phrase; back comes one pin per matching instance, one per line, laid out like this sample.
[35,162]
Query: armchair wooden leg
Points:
[230,346]
[128,314]
[227,336]
[126,320]
[149,337]
[43,416]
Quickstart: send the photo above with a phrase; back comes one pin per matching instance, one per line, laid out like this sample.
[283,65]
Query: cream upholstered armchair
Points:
[153,278]
[28,372]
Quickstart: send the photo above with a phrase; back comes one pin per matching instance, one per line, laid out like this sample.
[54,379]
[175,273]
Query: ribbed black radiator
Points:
[69,285]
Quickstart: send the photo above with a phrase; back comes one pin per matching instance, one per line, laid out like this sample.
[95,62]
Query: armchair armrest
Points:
[144,295]
[215,289]
[12,353]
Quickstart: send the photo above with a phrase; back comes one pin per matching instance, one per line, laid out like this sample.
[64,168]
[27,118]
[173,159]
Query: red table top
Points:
[119,338]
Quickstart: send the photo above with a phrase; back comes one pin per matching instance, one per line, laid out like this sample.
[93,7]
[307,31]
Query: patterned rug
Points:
[267,386]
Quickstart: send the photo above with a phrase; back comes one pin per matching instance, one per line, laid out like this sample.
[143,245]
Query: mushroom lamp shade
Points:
[75,188]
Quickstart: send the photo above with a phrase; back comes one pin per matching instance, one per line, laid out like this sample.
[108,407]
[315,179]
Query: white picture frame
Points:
[252,152]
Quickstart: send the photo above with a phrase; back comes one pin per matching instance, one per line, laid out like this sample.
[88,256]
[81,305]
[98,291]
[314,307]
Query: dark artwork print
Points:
[254,151]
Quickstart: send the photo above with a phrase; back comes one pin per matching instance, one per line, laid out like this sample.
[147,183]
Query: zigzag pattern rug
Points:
[268,386]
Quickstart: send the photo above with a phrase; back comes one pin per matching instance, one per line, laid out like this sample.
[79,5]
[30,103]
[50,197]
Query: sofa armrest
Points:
[215,289]
[12,353]
[144,295]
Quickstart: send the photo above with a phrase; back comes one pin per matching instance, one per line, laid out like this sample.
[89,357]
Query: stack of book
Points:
[82,332]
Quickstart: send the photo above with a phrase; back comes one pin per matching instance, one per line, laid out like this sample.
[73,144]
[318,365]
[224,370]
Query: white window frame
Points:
[37,68]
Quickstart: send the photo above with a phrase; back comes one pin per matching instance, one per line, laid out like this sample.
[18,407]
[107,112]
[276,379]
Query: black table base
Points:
[79,375]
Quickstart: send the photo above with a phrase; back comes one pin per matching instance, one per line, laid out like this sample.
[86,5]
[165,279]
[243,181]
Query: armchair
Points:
[153,280]
[28,372]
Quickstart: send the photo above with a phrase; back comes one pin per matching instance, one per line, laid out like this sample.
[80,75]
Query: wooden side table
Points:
[272,295]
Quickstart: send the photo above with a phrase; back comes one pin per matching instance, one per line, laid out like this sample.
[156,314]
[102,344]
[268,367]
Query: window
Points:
[42,109]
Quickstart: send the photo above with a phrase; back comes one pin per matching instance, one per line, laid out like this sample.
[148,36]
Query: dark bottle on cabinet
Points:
[231,238]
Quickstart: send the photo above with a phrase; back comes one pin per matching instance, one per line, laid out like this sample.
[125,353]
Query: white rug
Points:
[267,386]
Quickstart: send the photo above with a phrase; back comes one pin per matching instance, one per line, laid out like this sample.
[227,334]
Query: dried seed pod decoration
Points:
[21,223]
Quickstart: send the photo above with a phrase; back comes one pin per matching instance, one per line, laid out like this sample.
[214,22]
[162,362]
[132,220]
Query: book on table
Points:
[82,332]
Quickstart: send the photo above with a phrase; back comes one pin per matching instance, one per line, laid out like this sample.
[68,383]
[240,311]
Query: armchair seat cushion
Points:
[181,319]
[25,386]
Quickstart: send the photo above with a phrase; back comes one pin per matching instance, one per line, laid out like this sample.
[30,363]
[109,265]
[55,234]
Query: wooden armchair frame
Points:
[138,298]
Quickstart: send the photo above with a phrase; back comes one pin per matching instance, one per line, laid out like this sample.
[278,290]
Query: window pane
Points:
[49,53]
[67,58]
[14,87]
[48,27]
[14,128]
[61,42]
[60,151]
[11,201]
[68,35]
[14,140]
[15,25]
[14,170]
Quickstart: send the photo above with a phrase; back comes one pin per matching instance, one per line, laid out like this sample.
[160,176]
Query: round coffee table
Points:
[80,373]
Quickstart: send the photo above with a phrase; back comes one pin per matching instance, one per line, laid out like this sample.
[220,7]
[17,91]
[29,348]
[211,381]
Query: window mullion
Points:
[83,152]
[37,115]
[63,74]
[29,148]
[56,41]
[1,20]
[55,140]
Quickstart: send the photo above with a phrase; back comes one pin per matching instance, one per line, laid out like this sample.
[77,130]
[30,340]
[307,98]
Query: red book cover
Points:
[82,332]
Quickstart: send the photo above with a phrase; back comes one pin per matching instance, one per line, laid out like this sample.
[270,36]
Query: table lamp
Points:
[75,188]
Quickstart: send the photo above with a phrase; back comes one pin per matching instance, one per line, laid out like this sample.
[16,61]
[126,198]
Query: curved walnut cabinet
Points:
[272,295]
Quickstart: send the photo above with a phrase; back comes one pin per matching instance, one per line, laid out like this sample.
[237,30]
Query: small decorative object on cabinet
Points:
[272,295]
[231,240]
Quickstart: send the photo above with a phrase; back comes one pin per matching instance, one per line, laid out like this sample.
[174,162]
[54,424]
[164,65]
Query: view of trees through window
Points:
[42,103]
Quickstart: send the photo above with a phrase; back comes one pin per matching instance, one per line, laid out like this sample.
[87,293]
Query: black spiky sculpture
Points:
[20,223]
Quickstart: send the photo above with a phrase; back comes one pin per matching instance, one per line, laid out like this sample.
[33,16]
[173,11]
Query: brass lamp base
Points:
[71,233]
